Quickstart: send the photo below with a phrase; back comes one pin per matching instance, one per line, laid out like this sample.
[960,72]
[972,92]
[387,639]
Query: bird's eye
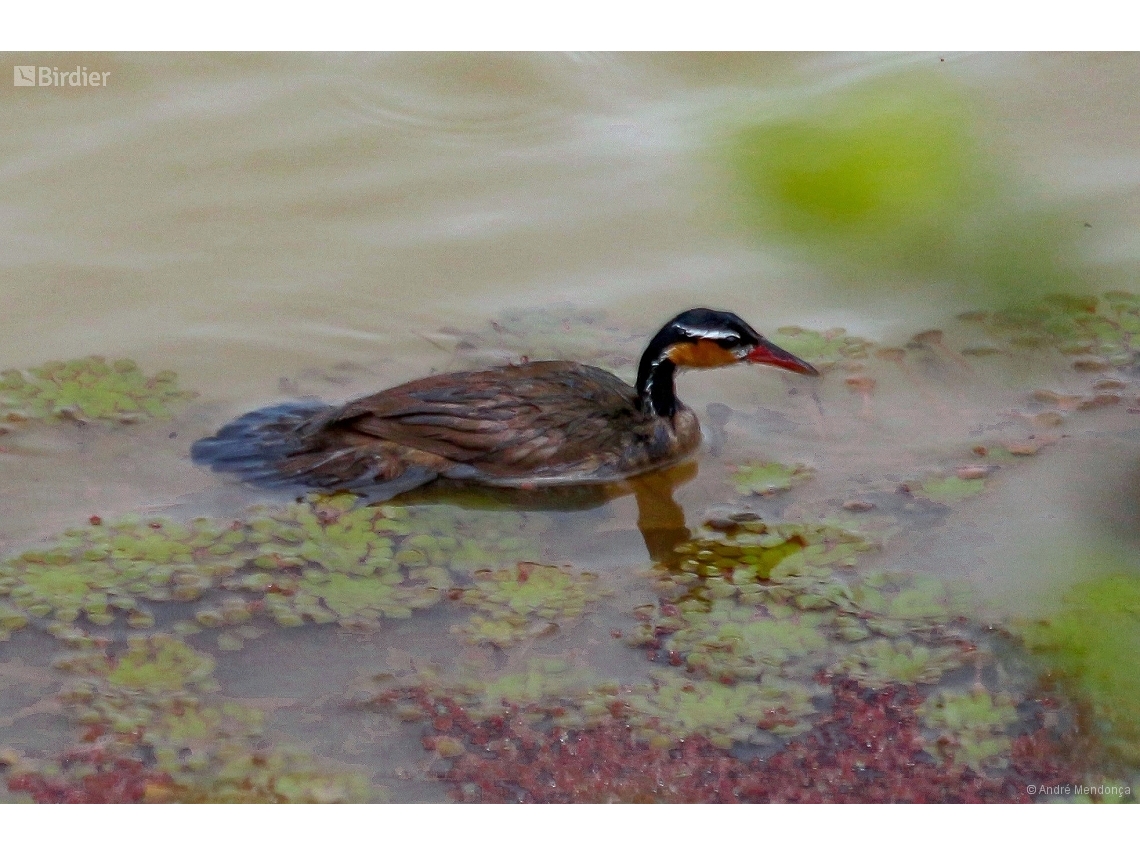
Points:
[730,340]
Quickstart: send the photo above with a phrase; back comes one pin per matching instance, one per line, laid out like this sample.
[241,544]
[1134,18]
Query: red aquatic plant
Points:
[867,748]
[91,774]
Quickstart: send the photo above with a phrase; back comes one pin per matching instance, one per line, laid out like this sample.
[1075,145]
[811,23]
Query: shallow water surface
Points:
[881,541]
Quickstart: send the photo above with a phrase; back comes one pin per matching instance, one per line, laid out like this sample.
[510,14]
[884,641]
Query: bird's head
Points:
[707,338]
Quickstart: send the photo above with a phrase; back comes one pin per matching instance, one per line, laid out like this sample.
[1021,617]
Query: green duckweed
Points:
[89,389]
[154,663]
[103,570]
[970,727]
[763,479]
[670,706]
[746,554]
[160,663]
[747,712]
[525,601]
[323,560]
[880,661]
[151,701]
[894,604]
[11,619]
[544,687]
[949,489]
[1073,325]
[824,350]
[747,607]
[544,683]
[735,642]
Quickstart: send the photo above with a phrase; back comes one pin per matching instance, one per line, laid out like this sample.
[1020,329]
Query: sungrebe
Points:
[536,424]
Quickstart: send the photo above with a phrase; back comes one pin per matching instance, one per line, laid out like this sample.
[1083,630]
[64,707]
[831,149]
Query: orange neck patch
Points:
[699,354]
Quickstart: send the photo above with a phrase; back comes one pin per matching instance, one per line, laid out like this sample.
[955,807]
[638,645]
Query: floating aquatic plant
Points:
[971,727]
[767,608]
[361,600]
[88,389]
[525,601]
[1092,645]
[87,774]
[1096,789]
[324,560]
[548,691]
[952,488]
[755,636]
[895,604]
[154,737]
[763,479]
[824,350]
[672,707]
[761,546]
[128,692]
[880,661]
[1099,334]
[101,570]
[342,535]
[746,606]
[360,563]
[159,663]
[11,619]
[867,747]
[545,688]
[790,564]
[545,684]
[732,642]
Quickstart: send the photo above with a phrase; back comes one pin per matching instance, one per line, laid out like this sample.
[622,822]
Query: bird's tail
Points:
[280,447]
[254,446]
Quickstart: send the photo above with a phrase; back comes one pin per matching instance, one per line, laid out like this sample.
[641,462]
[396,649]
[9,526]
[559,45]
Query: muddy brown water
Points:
[277,226]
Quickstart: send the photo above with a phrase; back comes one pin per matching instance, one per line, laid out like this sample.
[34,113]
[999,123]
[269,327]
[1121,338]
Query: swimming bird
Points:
[530,425]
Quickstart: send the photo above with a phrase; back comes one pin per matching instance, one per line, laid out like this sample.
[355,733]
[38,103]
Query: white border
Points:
[60,25]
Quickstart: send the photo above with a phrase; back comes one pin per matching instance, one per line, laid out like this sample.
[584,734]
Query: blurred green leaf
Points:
[894,177]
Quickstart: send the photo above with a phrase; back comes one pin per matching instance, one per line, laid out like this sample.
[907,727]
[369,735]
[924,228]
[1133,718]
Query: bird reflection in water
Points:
[660,518]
